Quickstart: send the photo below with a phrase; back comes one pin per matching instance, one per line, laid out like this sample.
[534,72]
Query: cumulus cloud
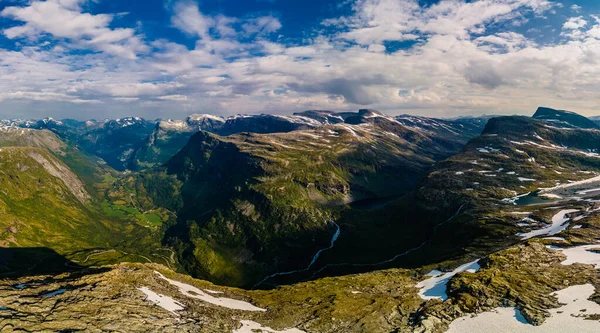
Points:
[454,56]
[64,19]
[574,23]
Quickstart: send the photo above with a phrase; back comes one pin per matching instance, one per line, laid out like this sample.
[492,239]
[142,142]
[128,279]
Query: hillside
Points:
[520,279]
[50,199]
[262,203]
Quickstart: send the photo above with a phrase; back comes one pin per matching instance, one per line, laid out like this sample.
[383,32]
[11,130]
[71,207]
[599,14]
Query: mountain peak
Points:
[564,118]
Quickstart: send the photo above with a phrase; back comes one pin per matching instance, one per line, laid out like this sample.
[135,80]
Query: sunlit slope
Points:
[45,204]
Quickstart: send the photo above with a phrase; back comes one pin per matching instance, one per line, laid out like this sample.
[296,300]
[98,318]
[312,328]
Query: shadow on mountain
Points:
[20,262]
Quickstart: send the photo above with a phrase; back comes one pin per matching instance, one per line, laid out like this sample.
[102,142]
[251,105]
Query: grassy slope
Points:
[40,211]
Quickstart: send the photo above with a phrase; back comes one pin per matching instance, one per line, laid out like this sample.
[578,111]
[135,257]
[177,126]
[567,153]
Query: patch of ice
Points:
[577,226]
[573,184]
[558,225]
[570,317]
[435,286]
[584,192]
[163,301]
[249,326]
[193,292]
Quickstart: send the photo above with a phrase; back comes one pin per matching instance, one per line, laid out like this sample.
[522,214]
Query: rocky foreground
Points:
[151,298]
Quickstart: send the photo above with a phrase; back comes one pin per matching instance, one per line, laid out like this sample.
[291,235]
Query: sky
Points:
[169,58]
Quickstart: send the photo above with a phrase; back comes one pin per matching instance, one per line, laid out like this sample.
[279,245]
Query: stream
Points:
[427,241]
[332,244]
[335,236]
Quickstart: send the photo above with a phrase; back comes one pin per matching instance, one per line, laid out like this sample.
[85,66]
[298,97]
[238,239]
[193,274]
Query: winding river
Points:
[336,235]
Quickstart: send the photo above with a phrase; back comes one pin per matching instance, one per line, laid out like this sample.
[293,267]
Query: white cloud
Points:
[64,19]
[262,25]
[187,18]
[575,23]
[458,64]
[173,98]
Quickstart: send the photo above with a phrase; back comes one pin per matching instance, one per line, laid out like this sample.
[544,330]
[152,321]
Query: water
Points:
[532,199]
[335,236]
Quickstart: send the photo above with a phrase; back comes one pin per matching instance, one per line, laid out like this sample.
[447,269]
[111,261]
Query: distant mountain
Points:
[459,129]
[170,136]
[564,118]
[112,140]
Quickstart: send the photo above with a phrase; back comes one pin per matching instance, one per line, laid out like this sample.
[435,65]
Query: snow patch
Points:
[558,225]
[583,254]
[435,286]
[163,301]
[249,326]
[570,317]
[193,292]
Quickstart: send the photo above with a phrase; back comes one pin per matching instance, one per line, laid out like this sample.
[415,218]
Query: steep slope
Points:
[16,136]
[514,160]
[256,203]
[168,137]
[50,197]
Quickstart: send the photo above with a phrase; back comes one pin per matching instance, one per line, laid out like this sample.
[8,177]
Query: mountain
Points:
[462,129]
[367,223]
[170,136]
[114,141]
[50,204]
[252,204]
[564,118]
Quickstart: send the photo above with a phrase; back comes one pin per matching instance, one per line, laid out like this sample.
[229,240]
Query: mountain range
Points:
[318,221]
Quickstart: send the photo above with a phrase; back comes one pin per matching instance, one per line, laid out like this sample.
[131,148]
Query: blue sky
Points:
[169,58]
